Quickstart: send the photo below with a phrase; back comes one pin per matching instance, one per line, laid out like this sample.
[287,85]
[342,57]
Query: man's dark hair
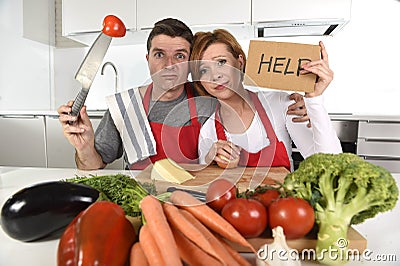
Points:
[172,28]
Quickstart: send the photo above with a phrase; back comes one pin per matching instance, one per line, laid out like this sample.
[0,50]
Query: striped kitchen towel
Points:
[130,118]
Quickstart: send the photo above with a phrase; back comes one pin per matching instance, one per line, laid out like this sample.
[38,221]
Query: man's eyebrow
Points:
[182,50]
[157,49]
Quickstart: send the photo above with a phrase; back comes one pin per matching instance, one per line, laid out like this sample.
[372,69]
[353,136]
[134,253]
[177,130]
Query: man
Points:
[171,105]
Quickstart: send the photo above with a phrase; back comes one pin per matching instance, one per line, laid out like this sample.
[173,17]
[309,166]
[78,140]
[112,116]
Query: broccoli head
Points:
[344,189]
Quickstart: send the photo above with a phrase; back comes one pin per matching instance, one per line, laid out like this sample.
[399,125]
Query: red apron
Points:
[177,143]
[274,154]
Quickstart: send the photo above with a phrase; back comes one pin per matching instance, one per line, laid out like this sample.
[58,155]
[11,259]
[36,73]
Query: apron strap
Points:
[264,117]
[192,103]
[219,128]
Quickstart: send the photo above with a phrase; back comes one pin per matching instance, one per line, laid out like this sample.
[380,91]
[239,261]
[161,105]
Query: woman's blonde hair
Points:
[201,41]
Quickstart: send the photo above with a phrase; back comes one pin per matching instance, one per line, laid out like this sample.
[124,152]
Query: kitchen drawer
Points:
[392,166]
[60,152]
[22,141]
[379,130]
[378,148]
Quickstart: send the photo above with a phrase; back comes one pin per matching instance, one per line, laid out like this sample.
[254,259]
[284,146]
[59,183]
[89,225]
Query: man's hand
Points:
[80,134]
[298,109]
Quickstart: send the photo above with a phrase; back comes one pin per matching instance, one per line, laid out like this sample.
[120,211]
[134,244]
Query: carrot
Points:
[218,247]
[177,220]
[137,256]
[192,254]
[159,227]
[149,247]
[236,255]
[208,217]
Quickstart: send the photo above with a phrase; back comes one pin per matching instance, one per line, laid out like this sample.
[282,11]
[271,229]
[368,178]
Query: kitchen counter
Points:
[333,116]
[43,112]
[382,232]
[17,253]
[365,117]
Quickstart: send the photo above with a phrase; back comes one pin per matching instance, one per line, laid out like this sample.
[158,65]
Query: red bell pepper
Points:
[99,235]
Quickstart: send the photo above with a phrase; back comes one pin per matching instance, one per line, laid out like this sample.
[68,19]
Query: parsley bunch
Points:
[120,189]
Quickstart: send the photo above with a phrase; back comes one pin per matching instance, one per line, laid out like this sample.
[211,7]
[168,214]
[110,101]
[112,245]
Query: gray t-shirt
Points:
[176,113]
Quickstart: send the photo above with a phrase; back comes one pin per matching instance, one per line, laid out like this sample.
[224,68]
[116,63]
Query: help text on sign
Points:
[277,65]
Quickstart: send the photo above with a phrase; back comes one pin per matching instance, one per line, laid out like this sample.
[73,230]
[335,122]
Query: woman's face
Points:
[220,71]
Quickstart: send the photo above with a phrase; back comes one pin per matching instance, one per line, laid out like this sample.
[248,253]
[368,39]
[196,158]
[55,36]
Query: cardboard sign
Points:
[276,65]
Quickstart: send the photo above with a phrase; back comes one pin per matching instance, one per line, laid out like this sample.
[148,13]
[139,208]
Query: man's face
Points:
[167,60]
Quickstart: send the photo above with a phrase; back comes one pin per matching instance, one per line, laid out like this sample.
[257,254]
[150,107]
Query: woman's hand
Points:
[322,70]
[222,149]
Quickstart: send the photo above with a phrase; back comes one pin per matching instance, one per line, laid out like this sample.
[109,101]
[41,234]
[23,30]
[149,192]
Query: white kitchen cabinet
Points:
[379,143]
[60,152]
[87,16]
[206,12]
[22,141]
[38,21]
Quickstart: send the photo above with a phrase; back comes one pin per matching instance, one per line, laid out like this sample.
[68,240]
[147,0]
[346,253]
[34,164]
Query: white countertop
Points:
[43,112]
[17,253]
[365,117]
[382,232]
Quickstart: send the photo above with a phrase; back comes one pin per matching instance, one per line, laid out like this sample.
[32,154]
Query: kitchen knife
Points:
[88,69]
[197,194]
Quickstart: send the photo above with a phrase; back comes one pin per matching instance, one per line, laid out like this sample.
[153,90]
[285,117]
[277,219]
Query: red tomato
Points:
[266,197]
[219,193]
[113,26]
[295,215]
[248,216]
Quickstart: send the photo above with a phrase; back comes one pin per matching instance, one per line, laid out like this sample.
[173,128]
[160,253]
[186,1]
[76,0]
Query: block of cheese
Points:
[168,170]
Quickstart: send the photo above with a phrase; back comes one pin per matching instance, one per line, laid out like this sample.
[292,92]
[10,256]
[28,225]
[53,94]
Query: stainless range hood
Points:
[282,18]
[317,27]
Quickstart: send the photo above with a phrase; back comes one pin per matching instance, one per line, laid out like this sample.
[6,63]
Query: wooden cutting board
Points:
[243,177]
[249,177]
[355,241]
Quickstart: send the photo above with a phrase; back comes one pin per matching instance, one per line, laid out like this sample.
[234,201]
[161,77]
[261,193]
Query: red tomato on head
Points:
[113,26]
[248,216]
[266,197]
[219,193]
[294,215]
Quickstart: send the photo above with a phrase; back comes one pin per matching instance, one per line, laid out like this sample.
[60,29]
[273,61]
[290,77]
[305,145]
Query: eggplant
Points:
[44,210]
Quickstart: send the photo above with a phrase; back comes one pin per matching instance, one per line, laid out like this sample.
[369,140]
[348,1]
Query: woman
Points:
[253,127]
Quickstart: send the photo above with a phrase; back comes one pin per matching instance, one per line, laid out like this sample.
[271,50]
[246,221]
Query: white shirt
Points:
[321,137]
